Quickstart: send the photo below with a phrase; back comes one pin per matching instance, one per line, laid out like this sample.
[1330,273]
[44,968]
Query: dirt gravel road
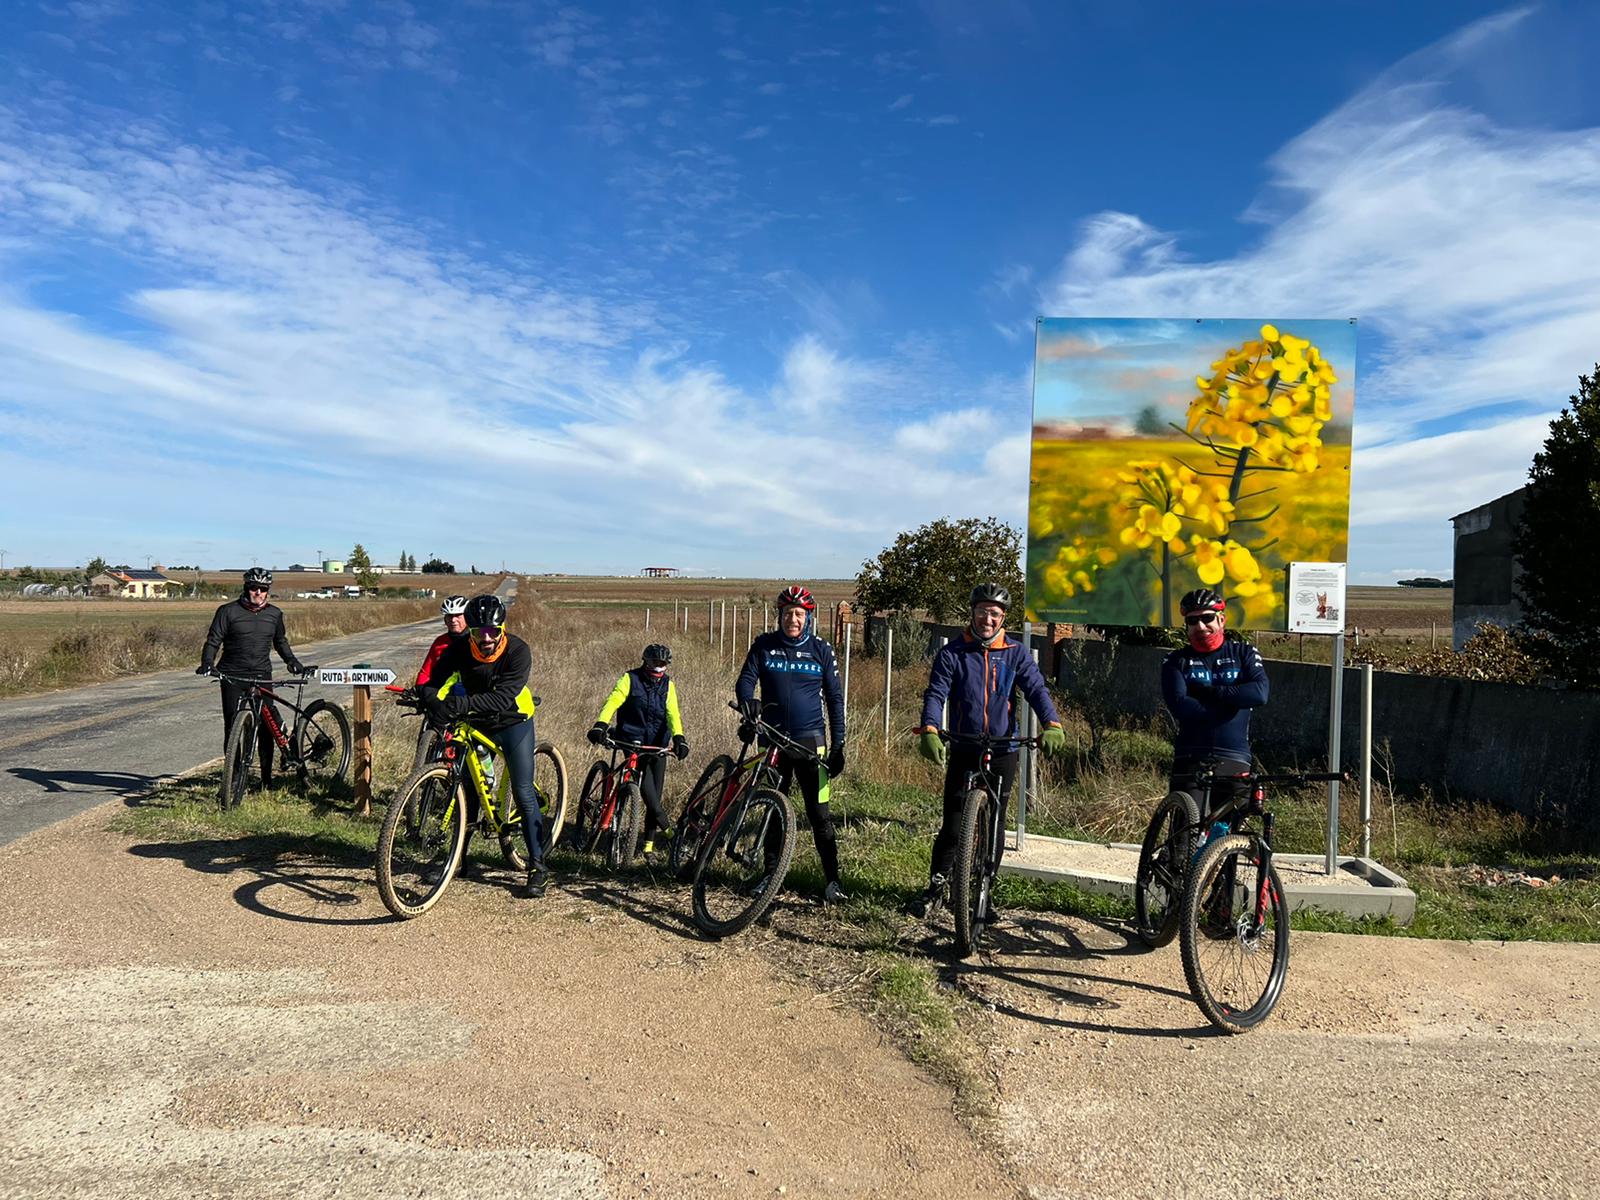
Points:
[202,1018]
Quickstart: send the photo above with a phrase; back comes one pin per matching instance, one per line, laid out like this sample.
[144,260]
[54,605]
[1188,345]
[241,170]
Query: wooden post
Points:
[766,621]
[647,619]
[711,622]
[888,678]
[722,626]
[735,626]
[847,677]
[361,710]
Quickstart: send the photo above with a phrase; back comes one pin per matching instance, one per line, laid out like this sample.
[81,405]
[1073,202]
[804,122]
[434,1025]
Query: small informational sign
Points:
[355,676]
[1316,597]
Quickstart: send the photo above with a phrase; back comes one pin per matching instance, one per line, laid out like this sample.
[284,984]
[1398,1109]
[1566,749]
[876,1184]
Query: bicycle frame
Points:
[259,699]
[617,777]
[989,780]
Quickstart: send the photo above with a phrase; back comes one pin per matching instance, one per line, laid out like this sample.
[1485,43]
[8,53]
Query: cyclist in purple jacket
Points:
[977,673]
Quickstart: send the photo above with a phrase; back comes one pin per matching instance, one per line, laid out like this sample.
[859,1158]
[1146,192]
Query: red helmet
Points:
[797,595]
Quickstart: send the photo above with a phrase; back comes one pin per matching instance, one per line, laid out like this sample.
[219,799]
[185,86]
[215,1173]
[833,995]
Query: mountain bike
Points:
[748,842]
[424,832]
[317,745]
[1233,920]
[610,806]
[980,838]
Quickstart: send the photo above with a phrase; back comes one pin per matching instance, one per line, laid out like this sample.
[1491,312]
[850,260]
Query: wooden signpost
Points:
[361,679]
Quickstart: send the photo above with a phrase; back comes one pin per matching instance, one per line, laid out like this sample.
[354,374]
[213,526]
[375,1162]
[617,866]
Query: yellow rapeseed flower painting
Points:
[1141,489]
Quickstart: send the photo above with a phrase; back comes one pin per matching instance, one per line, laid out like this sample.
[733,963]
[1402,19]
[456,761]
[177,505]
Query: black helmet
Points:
[989,593]
[1202,600]
[485,611]
[657,655]
[258,577]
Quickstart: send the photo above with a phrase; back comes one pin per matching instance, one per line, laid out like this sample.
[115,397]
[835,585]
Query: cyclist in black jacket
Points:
[1210,687]
[797,673]
[247,630]
[487,672]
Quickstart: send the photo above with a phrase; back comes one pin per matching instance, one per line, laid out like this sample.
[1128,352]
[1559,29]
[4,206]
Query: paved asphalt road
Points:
[66,751]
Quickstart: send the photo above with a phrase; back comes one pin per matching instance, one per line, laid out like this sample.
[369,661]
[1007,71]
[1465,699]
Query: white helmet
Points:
[454,606]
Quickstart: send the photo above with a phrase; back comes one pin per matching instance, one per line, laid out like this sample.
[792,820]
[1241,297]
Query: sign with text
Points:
[355,676]
[1316,597]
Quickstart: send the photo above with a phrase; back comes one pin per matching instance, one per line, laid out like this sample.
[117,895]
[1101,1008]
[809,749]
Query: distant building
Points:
[1486,569]
[132,585]
[292,567]
[333,566]
[659,572]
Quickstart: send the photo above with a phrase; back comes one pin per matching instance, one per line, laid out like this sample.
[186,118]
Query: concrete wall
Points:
[1523,749]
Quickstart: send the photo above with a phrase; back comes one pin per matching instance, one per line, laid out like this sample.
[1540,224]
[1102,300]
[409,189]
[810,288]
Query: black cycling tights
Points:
[808,773]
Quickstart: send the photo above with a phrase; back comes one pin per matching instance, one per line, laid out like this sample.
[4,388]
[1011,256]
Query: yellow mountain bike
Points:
[425,830]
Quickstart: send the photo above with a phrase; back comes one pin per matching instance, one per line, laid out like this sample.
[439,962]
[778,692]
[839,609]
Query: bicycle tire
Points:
[591,800]
[1164,860]
[698,810]
[725,904]
[625,825]
[322,741]
[425,745]
[969,877]
[550,785]
[1235,975]
[236,757]
[419,846]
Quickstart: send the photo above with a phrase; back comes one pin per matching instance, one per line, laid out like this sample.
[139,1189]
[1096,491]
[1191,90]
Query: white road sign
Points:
[355,676]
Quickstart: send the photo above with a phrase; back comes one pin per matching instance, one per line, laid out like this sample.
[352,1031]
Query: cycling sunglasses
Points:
[480,630]
[1201,618]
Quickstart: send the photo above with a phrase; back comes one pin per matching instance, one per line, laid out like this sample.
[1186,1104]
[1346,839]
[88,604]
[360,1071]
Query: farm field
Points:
[633,591]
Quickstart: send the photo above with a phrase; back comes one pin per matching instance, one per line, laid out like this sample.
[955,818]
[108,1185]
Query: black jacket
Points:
[247,639]
[496,692]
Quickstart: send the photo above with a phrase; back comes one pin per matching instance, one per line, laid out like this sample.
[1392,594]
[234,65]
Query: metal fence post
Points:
[735,626]
[749,626]
[1366,760]
[1029,784]
[944,718]
[722,626]
[647,619]
[1335,728]
[711,622]
[888,679]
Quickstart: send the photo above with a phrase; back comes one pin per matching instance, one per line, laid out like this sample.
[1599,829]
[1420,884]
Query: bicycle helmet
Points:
[453,606]
[258,577]
[484,612]
[657,655]
[989,593]
[1202,600]
[796,595]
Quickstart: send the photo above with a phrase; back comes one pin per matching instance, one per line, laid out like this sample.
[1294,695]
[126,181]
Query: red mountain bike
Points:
[611,807]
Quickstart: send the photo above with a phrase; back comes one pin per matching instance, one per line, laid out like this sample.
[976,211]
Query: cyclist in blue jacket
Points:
[977,673]
[797,674]
[1209,687]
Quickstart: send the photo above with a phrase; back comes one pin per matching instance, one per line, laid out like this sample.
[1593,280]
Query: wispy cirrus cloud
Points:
[311,343]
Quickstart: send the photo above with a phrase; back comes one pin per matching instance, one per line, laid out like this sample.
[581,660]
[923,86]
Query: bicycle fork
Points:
[1264,879]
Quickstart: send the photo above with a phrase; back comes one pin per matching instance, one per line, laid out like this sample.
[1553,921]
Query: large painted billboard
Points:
[1168,454]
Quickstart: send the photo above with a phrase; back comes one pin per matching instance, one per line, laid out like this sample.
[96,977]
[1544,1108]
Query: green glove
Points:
[931,748]
[1054,740]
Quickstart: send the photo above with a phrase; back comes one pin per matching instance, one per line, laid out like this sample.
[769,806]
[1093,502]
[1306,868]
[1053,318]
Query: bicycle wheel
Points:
[1235,966]
[420,846]
[426,751]
[625,825]
[550,785]
[970,879]
[322,741]
[743,862]
[698,810]
[236,758]
[591,806]
[1169,843]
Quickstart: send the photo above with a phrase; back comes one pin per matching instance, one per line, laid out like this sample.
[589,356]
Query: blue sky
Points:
[744,290]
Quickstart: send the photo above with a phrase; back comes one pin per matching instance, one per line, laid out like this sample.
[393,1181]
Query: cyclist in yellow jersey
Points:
[645,705]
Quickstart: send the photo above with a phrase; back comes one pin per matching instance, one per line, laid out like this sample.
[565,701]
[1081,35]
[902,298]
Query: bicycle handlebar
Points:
[773,734]
[635,747]
[297,680]
[983,739]
[1291,778]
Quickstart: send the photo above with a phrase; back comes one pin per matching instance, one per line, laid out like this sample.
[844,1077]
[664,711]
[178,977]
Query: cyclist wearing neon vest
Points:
[645,705]
[454,611]
[977,673]
[247,631]
[486,674]
[797,674]
[1209,687]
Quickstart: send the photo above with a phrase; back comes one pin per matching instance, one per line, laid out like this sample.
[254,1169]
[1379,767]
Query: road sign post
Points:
[361,679]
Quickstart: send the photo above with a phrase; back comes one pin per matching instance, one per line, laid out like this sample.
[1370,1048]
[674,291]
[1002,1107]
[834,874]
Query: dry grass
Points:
[46,644]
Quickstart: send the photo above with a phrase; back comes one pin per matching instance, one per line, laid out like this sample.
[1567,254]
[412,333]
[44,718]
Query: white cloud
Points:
[945,432]
[377,383]
[901,101]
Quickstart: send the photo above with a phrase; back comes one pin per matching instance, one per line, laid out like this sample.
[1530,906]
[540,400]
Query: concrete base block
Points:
[1359,887]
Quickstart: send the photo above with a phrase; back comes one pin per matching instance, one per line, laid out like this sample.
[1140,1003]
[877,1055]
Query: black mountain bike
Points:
[980,838]
[316,746]
[1211,880]
[745,835]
